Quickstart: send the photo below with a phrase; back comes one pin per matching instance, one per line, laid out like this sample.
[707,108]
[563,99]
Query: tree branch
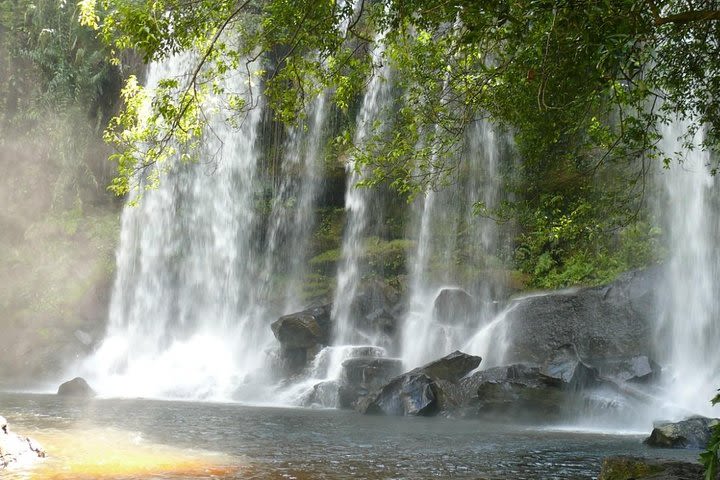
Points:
[689,17]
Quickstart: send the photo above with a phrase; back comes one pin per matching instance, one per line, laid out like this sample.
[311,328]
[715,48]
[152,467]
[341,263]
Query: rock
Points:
[639,369]
[455,307]
[569,371]
[364,375]
[302,335]
[16,449]
[374,294]
[324,394]
[632,468]
[423,391]
[77,387]
[304,329]
[693,432]
[413,393]
[614,321]
[519,391]
[452,367]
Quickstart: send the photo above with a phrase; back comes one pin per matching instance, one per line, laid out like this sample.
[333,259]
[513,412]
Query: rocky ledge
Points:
[16,449]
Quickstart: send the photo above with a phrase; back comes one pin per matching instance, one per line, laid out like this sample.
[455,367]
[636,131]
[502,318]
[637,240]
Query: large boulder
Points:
[635,468]
[614,321]
[425,391]
[16,449]
[363,375]
[304,329]
[77,387]
[526,392]
[302,335]
[693,432]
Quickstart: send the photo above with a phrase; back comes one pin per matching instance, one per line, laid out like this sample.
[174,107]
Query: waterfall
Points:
[689,330]
[198,261]
[357,204]
[451,242]
[292,216]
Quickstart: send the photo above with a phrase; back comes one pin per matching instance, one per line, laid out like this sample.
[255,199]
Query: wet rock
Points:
[566,368]
[304,329]
[452,367]
[413,393]
[454,307]
[323,394]
[606,322]
[374,294]
[302,335]
[631,468]
[16,449]
[423,391]
[77,387]
[693,432]
[364,375]
[519,391]
[638,369]
[525,392]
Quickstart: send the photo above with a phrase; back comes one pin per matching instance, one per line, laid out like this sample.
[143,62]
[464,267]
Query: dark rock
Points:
[77,387]
[519,391]
[413,393]
[374,294]
[455,307]
[631,468]
[302,335]
[16,449]
[422,391]
[569,371]
[364,375]
[694,432]
[304,329]
[452,367]
[611,321]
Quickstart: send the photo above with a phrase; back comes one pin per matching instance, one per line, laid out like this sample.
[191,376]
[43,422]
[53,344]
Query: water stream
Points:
[689,331]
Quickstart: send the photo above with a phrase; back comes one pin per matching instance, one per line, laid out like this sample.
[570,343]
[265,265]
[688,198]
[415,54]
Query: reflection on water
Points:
[141,439]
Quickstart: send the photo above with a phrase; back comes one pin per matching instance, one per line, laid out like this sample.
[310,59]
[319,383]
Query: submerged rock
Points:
[16,449]
[77,387]
[363,375]
[423,391]
[693,432]
[631,468]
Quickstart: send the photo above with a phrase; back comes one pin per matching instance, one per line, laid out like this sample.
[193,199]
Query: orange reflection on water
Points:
[103,453]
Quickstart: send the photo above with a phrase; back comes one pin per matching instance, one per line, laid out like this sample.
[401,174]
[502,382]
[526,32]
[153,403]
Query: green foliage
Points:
[380,257]
[710,458]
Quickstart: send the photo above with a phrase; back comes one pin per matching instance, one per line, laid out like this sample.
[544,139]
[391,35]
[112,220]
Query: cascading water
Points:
[689,333]
[357,204]
[292,218]
[188,316]
[450,237]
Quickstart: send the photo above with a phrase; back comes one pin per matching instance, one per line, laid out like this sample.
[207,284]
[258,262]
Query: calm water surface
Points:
[137,438]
